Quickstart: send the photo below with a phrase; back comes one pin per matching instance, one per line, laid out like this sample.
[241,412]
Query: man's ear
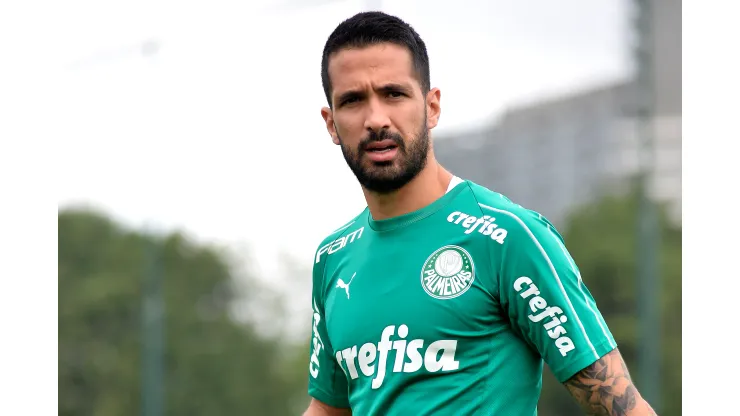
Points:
[328,116]
[433,107]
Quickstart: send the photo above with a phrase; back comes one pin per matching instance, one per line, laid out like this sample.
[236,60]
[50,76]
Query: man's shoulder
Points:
[351,229]
[507,213]
[491,201]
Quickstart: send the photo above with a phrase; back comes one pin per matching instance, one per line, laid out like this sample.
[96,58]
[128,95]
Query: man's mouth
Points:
[381,146]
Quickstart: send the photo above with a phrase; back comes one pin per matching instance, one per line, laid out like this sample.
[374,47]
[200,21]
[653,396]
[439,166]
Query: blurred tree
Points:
[601,239]
[297,274]
[213,365]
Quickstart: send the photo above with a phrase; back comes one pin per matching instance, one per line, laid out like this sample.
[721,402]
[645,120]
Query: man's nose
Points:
[377,116]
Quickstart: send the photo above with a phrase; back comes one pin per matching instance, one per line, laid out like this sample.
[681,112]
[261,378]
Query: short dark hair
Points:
[372,28]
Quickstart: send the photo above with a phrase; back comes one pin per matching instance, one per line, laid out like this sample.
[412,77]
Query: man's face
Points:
[380,117]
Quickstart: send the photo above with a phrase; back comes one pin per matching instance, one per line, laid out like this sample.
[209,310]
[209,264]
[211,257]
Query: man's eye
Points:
[395,94]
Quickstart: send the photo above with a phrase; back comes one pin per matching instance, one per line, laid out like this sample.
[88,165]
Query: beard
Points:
[392,175]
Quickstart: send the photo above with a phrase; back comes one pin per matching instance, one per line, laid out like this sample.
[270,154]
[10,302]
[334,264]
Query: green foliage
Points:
[213,365]
[601,238]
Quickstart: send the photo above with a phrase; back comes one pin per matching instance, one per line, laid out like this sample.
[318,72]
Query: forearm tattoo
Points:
[605,388]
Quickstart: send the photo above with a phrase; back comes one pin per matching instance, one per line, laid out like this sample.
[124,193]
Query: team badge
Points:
[448,272]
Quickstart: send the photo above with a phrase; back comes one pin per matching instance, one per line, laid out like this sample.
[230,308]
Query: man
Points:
[441,297]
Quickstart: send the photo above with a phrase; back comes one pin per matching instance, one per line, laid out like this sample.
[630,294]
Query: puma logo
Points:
[345,286]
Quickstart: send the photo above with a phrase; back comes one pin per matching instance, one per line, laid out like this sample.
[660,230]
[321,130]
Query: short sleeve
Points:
[327,381]
[547,301]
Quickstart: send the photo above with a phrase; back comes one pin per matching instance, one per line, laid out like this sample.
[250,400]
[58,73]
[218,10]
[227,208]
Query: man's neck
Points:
[428,186]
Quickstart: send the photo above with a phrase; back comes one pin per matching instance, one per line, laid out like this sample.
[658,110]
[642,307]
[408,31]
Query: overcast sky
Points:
[220,133]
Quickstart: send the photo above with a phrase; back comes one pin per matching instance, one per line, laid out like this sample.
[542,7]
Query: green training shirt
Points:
[449,310]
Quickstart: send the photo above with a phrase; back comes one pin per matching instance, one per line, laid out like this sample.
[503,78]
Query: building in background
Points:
[556,154]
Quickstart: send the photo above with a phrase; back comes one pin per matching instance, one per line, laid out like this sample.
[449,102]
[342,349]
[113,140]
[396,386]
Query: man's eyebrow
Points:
[395,87]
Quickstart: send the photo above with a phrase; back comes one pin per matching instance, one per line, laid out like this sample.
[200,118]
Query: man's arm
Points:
[317,408]
[605,388]
[327,382]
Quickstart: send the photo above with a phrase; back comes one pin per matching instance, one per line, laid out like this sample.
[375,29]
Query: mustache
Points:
[374,136]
